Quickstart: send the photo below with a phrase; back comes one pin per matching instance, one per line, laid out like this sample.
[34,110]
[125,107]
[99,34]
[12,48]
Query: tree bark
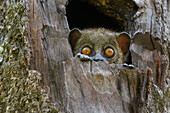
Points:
[94,86]
[90,86]
[48,31]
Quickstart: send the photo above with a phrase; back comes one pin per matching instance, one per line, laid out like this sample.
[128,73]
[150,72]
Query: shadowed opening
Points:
[82,15]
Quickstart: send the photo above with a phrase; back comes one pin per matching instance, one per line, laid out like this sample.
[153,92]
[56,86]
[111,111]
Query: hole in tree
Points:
[82,15]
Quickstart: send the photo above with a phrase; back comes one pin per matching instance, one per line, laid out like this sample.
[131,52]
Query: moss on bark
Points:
[19,86]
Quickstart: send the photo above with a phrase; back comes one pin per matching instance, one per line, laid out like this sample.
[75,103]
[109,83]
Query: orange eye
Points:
[86,50]
[109,52]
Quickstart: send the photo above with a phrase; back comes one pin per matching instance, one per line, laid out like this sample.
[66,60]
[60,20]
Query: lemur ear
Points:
[74,35]
[124,42]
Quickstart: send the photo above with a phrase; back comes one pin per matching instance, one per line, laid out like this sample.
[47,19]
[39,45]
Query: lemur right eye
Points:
[109,52]
[86,50]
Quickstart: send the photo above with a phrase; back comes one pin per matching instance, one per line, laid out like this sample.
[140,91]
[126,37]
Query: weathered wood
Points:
[96,86]
[99,87]
[49,46]
[150,42]
[78,86]
[152,19]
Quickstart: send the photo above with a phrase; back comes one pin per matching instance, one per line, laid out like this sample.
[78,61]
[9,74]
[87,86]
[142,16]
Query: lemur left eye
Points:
[86,50]
[109,52]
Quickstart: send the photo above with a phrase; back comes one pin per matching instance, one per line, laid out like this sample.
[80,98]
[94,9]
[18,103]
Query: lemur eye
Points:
[109,52]
[86,50]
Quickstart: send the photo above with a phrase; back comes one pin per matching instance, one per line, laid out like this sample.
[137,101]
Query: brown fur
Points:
[98,39]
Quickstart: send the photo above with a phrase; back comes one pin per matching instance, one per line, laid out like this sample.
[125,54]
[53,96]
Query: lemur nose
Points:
[98,57]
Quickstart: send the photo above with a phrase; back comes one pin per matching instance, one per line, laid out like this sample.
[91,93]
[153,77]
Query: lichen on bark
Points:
[19,87]
[158,101]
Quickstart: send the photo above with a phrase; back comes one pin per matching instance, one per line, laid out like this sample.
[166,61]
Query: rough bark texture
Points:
[97,87]
[20,89]
[78,86]
[48,32]
[94,86]
[150,42]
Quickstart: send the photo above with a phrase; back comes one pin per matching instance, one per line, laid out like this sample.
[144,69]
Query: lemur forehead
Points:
[100,32]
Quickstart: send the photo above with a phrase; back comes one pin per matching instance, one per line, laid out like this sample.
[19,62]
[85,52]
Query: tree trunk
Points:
[90,86]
